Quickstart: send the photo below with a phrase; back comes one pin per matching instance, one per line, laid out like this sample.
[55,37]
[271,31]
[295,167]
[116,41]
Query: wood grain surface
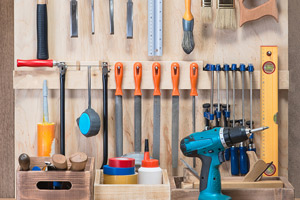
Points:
[7,173]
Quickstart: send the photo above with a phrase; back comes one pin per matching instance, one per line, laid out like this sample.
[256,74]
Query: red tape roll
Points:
[122,162]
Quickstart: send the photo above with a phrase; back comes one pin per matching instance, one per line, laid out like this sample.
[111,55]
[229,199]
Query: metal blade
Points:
[194,124]
[137,123]
[129,19]
[119,126]
[175,131]
[93,18]
[74,18]
[111,17]
[156,128]
[190,169]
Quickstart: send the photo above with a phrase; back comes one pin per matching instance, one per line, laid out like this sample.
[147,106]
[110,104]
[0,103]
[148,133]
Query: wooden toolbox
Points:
[269,188]
[81,182]
[131,192]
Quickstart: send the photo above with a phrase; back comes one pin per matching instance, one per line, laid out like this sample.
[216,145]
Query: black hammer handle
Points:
[42,30]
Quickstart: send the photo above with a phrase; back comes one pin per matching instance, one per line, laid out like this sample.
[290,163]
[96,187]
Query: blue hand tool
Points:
[234,160]
[218,106]
[244,169]
[209,146]
[210,115]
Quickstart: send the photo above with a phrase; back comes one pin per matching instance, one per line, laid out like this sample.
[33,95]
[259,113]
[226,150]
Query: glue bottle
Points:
[150,173]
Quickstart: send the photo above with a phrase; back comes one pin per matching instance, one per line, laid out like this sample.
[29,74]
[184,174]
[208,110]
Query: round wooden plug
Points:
[60,161]
[78,161]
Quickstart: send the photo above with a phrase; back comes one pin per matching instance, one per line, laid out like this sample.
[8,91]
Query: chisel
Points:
[175,115]
[74,18]
[111,17]
[119,109]
[129,19]
[156,110]
[42,30]
[194,78]
[137,72]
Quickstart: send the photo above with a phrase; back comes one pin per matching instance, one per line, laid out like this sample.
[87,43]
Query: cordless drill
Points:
[209,146]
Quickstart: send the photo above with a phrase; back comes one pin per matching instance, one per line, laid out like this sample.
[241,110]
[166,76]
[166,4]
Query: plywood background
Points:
[213,46]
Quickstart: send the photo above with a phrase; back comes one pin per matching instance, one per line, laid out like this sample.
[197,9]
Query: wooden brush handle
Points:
[188,13]
[247,15]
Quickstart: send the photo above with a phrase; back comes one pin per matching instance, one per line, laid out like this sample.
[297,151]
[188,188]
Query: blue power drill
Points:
[209,146]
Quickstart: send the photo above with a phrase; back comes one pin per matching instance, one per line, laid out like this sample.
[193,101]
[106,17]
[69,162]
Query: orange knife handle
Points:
[119,78]
[137,73]
[156,78]
[194,78]
[175,78]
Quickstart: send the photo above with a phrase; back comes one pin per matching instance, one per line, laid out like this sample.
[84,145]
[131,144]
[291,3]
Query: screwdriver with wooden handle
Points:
[119,109]
[194,78]
[137,72]
[42,30]
[156,110]
[175,116]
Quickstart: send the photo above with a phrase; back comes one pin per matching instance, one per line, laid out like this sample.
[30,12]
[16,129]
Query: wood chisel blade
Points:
[175,130]
[74,18]
[129,19]
[156,128]
[111,17]
[93,17]
[119,126]
[137,123]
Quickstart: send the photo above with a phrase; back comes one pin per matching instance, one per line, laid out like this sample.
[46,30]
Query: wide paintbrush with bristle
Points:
[188,43]
[206,11]
[226,16]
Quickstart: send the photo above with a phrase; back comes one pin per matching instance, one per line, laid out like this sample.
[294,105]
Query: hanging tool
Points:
[89,120]
[194,78]
[45,130]
[209,146]
[175,72]
[42,30]
[62,71]
[24,162]
[74,18]
[129,19]
[210,115]
[137,72]
[251,146]
[105,72]
[226,16]
[111,17]
[155,27]
[206,11]
[93,17]
[119,109]
[234,159]
[244,169]
[188,43]
[267,9]
[226,108]
[269,107]
[218,110]
[156,68]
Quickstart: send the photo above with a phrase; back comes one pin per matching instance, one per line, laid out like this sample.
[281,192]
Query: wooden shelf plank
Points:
[76,77]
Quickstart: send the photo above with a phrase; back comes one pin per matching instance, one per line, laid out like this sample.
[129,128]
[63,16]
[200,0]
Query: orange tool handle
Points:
[188,13]
[175,78]
[137,73]
[194,79]
[156,78]
[119,78]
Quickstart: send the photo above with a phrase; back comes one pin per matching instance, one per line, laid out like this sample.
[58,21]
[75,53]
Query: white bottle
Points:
[150,173]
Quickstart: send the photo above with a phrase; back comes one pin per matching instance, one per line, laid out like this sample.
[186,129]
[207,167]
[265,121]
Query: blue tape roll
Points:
[118,171]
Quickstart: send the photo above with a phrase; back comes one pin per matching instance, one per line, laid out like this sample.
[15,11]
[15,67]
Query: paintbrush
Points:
[226,16]
[206,11]
[188,43]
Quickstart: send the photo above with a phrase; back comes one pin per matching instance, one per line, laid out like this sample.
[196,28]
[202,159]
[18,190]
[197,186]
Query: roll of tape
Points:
[118,171]
[122,162]
[111,179]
